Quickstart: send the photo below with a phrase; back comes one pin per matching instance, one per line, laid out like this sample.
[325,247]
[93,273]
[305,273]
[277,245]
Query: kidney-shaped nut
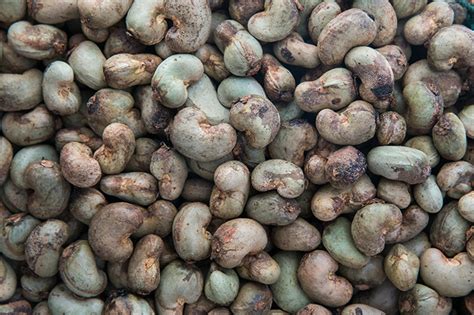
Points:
[63,301]
[87,61]
[191,24]
[193,136]
[11,11]
[278,81]
[102,14]
[15,230]
[144,265]
[8,280]
[114,244]
[180,284]
[286,177]
[222,285]
[213,62]
[382,12]
[44,246]
[399,163]
[371,225]
[299,235]
[146,21]
[119,303]
[118,148]
[421,27]
[374,71]
[261,268]
[27,128]
[85,203]
[452,46]
[173,76]
[79,272]
[349,29]
[345,166]
[60,93]
[48,12]
[316,275]
[335,89]
[37,42]
[320,16]
[353,125]
[235,239]
[137,187]
[449,137]
[122,71]
[257,118]
[78,166]
[272,209]
[231,190]
[50,191]
[233,88]
[450,277]
[294,51]
[20,91]
[401,266]
[391,128]
[242,52]
[455,178]
[424,300]
[396,58]
[466,206]
[277,21]
[191,239]
[170,168]
[414,221]
[253,298]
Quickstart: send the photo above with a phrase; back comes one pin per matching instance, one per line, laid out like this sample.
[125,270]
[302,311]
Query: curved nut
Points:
[382,12]
[272,209]
[20,91]
[294,51]
[146,21]
[344,167]
[278,81]
[87,61]
[138,187]
[102,14]
[122,71]
[78,166]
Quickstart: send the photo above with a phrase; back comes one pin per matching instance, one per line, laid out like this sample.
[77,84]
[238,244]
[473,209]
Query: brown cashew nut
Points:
[278,82]
[78,166]
[294,51]
[114,245]
[118,148]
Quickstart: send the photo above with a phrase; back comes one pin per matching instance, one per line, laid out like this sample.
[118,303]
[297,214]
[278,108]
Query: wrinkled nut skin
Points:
[261,268]
[243,10]
[316,275]
[345,166]
[60,93]
[294,51]
[193,136]
[63,301]
[77,165]
[277,21]
[451,47]
[20,91]
[8,280]
[371,67]
[396,58]
[351,28]
[253,298]
[448,82]
[99,14]
[453,276]
[173,76]
[292,140]
[272,209]
[50,191]
[5,158]
[385,19]
[372,224]
[191,239]
[138,187]
[337,240]
[231,190]
[114,245]
[299,235]
[171,171]
[146,22]
[352,126]
[401,267]
[180,284]
[449,137]
[448,230]
[117,148]
[15,230]
[191,24]
[122,71]
[37,42]
[28,128]
[144,265]
[278,82]
[329,202]
[399,163]
[391,128]
[257,118]
[44,246]
[242,52]
[424,107]
[421,27]
[79,272]
[87,61]
[455,178]
[235,239]
[424,300]
[213,62]
[286,177]
[156,117]
[320,16]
